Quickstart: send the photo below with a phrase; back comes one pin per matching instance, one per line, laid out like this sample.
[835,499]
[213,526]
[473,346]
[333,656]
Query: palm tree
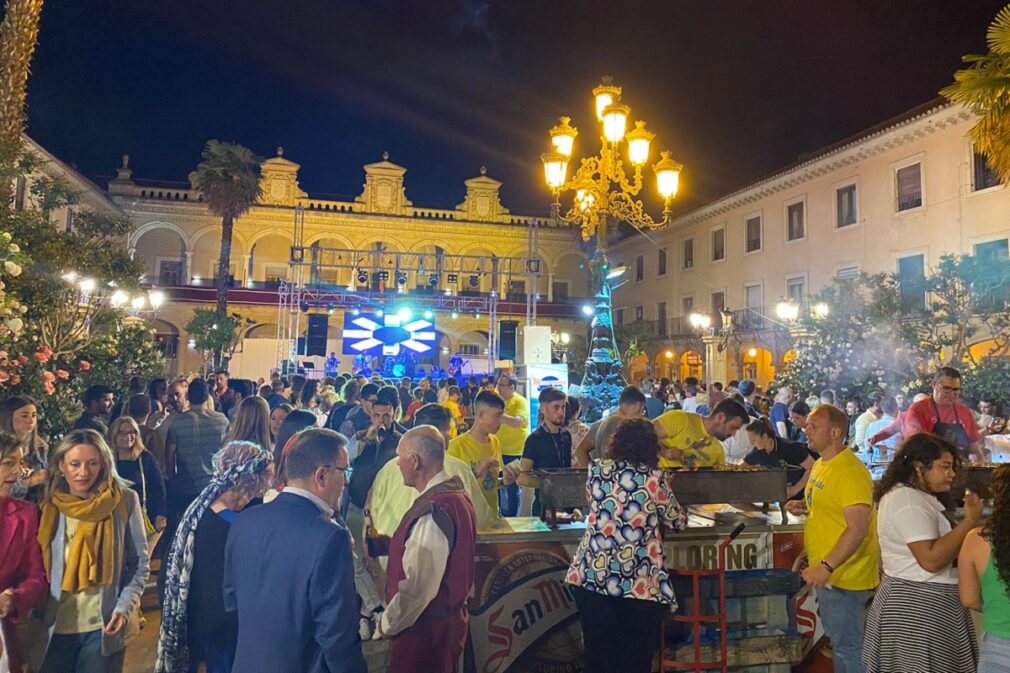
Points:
[229,179]
[19,33]
[984,88]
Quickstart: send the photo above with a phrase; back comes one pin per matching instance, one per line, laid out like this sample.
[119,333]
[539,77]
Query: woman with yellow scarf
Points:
[94,549]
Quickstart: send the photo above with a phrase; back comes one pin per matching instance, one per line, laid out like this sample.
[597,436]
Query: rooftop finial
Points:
[126,161]
[280,151]
[483,170]
[385,156]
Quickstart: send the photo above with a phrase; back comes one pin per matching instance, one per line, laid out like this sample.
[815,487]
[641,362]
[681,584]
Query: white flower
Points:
[6,236]
[23,309]
[15,324]
[13,247]
[12,268]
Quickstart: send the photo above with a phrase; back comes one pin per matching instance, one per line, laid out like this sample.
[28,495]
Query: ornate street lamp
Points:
[604,195]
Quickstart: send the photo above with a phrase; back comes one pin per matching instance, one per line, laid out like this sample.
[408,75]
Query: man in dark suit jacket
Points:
[288,570]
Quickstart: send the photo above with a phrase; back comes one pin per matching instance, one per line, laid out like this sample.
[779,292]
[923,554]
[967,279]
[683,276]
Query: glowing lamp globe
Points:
[615,120]
[638,144]
[555,168]
[605,94]
[667,175]
[563,136]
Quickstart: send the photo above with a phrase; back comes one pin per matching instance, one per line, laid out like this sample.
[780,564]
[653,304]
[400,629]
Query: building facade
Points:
[178,239]
[892,199]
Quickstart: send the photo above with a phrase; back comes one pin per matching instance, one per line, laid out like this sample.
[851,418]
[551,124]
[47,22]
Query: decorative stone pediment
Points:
[482,203]
[279,181]
[384,191]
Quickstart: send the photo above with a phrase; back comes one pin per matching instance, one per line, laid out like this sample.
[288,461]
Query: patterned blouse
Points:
[621,554]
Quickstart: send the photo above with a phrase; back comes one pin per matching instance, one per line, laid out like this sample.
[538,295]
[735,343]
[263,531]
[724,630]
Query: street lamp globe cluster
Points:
[604,190]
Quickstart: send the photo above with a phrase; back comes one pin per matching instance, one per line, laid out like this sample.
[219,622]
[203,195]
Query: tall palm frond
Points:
[984,88]
[19,33]
[229,179]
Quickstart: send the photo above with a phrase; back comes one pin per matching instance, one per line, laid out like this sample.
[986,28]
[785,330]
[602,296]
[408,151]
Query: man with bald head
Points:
[430,571]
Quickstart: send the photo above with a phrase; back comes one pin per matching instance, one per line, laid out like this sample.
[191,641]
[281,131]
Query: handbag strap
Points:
[143,483]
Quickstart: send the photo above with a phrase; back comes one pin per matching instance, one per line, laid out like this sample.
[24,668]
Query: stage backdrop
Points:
[388,334]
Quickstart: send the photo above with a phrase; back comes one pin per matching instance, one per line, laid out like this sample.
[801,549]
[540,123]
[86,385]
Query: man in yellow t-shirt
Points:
[452,404]
[840,535]
[479,447]
[515,428]
[691,440]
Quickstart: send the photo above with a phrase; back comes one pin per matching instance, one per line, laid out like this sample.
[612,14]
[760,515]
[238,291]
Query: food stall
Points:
[523,618]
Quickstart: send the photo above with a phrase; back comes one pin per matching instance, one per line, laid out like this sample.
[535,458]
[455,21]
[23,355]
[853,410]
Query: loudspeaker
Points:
[315,337]
[300,346]
[507,330]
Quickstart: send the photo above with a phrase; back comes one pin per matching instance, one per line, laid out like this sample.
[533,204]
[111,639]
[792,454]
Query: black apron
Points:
[952,432]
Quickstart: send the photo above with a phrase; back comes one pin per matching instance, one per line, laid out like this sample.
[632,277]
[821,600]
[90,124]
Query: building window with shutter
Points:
[639,314]
[912,282]
[753,227]
[661,262]
[718,244]
[796,289]
[908,186]
[845,206]
[661,318]
[795,221]
[640,268]
[983,176]
[689,253]
[619,317]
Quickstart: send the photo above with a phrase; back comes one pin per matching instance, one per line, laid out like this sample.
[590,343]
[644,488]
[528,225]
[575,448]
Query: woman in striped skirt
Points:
[916,623]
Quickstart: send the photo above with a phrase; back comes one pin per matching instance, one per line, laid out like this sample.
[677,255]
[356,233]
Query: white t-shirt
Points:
[908,515]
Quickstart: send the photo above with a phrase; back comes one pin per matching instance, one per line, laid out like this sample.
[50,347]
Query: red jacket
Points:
[21,568]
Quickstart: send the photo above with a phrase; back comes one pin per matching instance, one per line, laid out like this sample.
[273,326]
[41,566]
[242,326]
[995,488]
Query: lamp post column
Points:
[708,369]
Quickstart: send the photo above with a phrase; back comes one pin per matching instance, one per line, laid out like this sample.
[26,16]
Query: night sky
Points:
[737,89]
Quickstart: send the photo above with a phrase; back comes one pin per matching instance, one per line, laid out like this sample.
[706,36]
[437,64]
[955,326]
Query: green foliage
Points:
[65,345]
[984,88]
[228,178]
[988,378]
[217,333]
[878,338]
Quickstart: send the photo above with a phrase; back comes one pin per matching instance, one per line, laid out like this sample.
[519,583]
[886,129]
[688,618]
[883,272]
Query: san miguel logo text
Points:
[518,617]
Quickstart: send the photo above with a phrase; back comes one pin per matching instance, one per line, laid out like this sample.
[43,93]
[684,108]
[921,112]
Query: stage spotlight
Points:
[433,280]
[404,314]
[427,315]
[474,280]
[383,276]
[453,315]
[362,276]
[330,308]
[587,309]
[476,314]
[304,306]
[356,311]
[401,278]
[379,312]
[453,278]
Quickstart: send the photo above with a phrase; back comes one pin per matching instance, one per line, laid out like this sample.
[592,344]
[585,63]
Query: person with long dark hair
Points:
[916,621]
[195,627]
[295,422]
[618,575]
[983,571]
[19,416]
[771,450]
[251,423]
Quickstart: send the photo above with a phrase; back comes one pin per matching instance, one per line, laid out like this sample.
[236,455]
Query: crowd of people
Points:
[360,500]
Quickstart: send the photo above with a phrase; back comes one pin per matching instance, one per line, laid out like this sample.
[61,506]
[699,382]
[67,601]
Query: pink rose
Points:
[49,388]
[63,374]
[48,377]
[42,357]
[85,365]
[23,359]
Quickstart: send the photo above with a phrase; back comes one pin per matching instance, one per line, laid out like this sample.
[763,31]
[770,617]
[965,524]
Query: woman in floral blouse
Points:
[619,575]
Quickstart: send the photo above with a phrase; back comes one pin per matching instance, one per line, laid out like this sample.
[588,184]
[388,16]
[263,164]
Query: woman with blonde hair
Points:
[195,627]
[91,530]
[252,423]
[137,465]
[19,416]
